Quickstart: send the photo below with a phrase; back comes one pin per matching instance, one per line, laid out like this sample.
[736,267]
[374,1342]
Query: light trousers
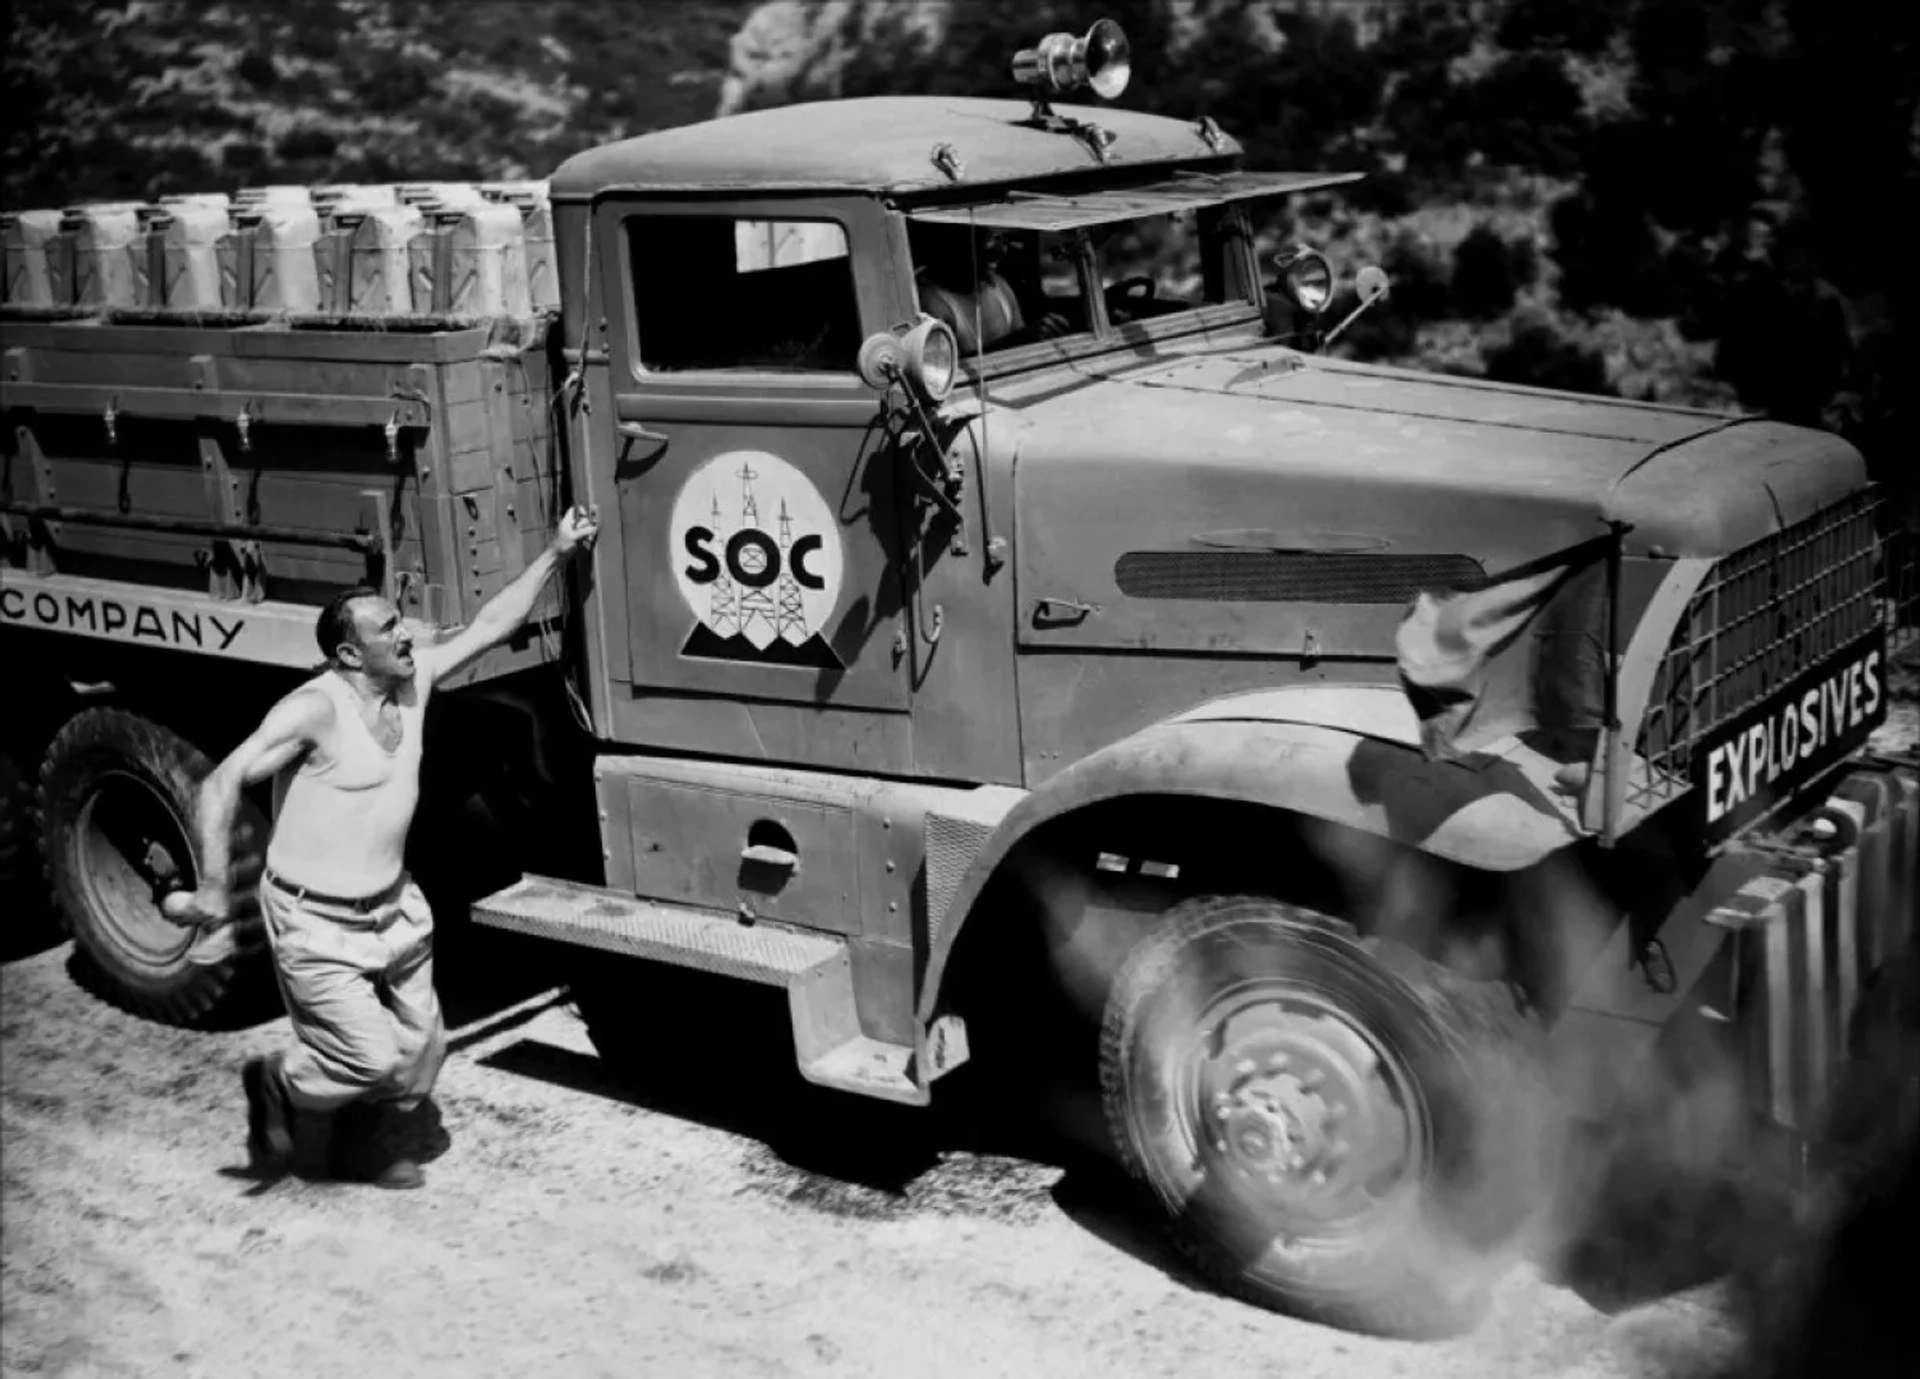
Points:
[359,991]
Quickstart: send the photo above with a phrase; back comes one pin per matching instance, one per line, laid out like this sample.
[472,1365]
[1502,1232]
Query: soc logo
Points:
[757,558]
[752,558]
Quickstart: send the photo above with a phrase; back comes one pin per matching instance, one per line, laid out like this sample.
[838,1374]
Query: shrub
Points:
[243,157]
[1608,256]
[1538,355]
[1486,277]
[308,143]
[257,70]
[1526,112]
[1579,26]
[1421,291]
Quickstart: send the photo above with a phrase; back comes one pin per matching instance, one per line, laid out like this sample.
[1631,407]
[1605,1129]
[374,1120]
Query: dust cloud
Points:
[1676,1186]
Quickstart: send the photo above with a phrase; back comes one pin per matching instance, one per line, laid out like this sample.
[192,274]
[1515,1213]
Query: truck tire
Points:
[1334,1127]
[116,801]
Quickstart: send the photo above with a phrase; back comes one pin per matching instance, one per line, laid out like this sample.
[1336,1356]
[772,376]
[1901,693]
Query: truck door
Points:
[756,507]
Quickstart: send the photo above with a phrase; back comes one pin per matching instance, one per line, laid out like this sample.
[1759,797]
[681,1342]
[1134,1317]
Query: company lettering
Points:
[1799,730]
[123,621]
[752,559]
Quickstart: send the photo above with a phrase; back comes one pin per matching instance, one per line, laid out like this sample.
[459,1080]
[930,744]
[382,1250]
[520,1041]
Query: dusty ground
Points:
[575,1225]
[708,1219]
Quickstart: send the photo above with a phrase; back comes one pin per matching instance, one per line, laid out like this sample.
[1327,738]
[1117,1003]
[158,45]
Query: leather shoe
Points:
[269,1111]
[357,1154]
[399,1175]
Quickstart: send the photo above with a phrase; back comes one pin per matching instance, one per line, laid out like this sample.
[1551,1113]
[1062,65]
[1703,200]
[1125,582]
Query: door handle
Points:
[1050,610]
[769,856]
[631,431]
[638,431]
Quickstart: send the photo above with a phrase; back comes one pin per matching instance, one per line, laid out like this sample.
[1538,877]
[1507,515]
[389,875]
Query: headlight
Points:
[1308,278]
[929,355]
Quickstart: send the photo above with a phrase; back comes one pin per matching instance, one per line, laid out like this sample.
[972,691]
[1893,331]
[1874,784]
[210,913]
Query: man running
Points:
[351,935]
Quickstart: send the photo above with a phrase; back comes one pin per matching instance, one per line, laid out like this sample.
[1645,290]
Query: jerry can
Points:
[283,277]
[536,240]
[184,254]
[336,197]
[31,240]
[472,262]
[379,270]
[279,193]
[106,241]
[447,194]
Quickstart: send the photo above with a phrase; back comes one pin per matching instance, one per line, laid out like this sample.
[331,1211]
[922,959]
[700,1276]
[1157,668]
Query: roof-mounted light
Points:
[1102,60]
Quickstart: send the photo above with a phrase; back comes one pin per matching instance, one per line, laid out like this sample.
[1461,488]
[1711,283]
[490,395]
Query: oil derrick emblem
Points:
[759,594]
[789,609]
[723,612]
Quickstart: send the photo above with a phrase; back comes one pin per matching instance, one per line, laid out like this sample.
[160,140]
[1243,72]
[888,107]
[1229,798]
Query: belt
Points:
[363,904]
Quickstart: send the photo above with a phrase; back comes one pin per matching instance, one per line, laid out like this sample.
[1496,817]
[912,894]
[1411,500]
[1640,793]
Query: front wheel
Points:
[116,801]
[1334,1126]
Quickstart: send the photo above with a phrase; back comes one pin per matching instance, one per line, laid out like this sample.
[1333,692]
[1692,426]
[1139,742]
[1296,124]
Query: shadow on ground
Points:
[719,1053]
[28,925]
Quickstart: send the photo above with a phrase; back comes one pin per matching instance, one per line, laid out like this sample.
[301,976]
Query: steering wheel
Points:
[1118,294]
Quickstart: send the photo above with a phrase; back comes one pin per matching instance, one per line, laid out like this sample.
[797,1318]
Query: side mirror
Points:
[1372,284]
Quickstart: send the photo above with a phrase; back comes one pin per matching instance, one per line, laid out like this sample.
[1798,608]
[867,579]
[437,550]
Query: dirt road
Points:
[727,1222]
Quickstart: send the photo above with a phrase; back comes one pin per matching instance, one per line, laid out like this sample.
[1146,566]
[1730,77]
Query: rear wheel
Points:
[116,801]
[1334,1127]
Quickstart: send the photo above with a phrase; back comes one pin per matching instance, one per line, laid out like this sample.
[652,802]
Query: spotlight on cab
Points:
[1101,60]
[925,357]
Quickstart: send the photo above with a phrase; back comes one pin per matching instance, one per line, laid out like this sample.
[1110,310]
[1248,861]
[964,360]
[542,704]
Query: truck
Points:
[1355,777]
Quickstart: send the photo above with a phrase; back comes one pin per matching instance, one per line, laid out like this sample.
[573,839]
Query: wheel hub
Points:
[1276,1127]
[131,843]
[1302,1106]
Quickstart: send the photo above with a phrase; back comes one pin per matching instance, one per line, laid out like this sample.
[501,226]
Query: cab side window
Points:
[718,293]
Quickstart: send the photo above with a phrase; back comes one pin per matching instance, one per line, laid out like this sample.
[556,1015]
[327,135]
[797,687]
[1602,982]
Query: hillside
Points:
[145,97]
[1629,196]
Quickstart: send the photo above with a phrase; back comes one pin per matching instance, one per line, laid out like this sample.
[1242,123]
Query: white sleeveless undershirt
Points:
[341,812]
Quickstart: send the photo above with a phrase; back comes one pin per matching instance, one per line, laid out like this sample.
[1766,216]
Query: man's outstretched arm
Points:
[503,614]
[290,727]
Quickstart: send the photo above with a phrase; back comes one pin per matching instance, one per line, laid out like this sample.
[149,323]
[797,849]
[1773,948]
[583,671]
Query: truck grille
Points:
[1765,615]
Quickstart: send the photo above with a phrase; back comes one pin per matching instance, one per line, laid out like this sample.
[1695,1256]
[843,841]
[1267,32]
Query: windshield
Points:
[1002,287]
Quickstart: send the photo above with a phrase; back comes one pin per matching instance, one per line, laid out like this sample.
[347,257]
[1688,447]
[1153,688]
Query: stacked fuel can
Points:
[369,250]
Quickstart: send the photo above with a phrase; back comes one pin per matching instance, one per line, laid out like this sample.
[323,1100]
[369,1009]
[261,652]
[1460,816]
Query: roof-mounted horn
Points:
[1100,61]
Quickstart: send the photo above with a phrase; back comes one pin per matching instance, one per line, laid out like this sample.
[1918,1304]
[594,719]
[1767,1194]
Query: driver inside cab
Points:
[965,287]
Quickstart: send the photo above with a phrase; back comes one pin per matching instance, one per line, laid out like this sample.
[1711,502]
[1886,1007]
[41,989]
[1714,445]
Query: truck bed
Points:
[263,467]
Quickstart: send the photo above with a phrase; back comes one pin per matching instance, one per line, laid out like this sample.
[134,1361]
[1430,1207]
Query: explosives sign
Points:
[757,555]
[1787,739]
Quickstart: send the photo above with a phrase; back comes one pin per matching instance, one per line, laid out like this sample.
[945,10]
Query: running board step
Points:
[620,923]
[816,970]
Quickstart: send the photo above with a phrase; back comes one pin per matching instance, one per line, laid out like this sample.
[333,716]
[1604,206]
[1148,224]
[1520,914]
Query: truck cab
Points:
[797,549]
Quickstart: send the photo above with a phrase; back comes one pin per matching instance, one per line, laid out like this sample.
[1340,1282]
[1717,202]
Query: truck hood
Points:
[1266,450]
[1302,447]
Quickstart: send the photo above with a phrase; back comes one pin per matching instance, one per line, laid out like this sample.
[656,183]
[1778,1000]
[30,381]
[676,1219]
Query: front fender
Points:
[1488,812]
